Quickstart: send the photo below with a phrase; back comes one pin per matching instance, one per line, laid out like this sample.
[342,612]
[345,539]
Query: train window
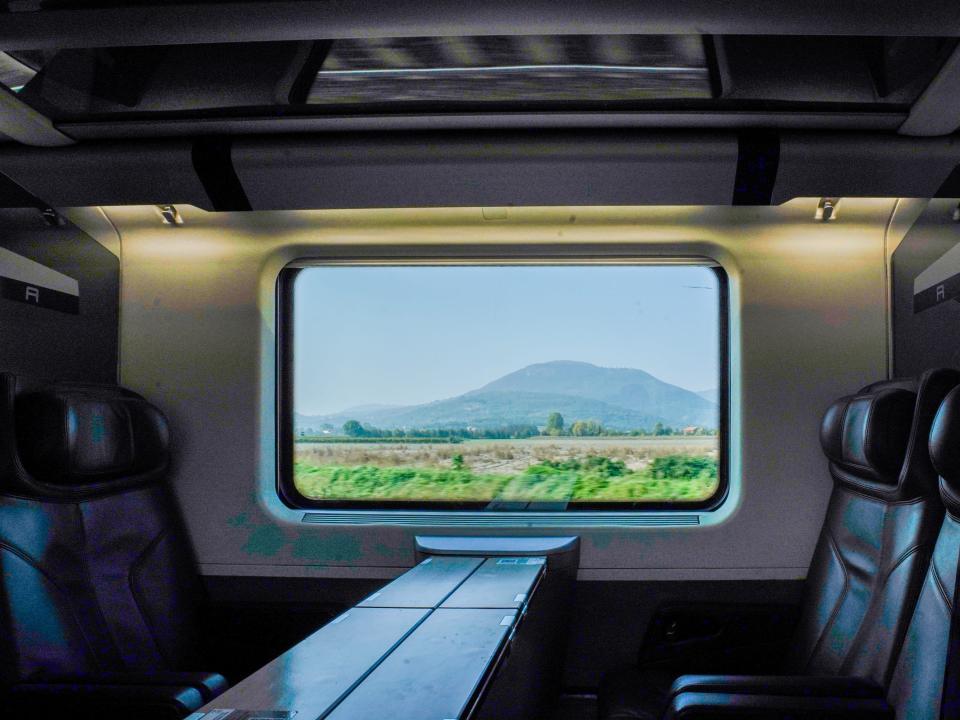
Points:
[526,69]
[503,387]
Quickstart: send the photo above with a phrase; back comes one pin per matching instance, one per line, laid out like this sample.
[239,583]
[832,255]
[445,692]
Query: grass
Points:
[340,440]
[593,477]
[504,457]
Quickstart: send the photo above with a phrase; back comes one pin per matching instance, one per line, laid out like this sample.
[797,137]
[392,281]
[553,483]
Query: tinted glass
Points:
[500,69]
[507,387]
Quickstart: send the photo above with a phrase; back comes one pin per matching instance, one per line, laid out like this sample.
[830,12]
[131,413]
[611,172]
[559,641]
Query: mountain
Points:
[619,398]
[366,409]
[711,394]
[627,388]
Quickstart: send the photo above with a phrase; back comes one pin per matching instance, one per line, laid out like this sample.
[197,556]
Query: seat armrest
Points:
[103,702]
[784,685]
[717,706]
[209,685]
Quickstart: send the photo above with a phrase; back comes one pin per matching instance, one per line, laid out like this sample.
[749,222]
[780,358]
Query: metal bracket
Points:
[170,215]
[52,217]
[826,209]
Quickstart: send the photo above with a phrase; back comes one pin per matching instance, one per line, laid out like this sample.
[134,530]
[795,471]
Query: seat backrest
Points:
[95,571]
[917,685]
[879,531]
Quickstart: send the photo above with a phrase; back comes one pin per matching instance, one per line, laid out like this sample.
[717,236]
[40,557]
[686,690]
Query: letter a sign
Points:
[26,281]
[939,282]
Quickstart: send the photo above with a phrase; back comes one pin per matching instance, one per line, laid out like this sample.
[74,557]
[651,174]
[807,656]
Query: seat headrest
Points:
[865,436]
[78,436]
[945,450]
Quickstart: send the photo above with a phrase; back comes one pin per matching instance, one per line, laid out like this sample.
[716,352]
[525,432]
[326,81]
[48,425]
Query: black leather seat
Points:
[98,589]
[916,688]
[873,551]
[917,684]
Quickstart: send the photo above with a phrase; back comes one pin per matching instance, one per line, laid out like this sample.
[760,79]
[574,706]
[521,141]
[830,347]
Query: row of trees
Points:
[580,428]
[590,428]
[353,428]
[555,427]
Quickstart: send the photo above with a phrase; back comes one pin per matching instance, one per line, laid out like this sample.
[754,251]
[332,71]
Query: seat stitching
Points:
[940,586]
[867,490]
[879,583]
[881,586]
[900,560]
[25,557]
[89,577]
[137,595]
[831,542]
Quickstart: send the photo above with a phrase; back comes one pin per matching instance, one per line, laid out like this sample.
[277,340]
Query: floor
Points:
[577,707]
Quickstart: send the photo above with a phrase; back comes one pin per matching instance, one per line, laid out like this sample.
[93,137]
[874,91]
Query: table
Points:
[423,647]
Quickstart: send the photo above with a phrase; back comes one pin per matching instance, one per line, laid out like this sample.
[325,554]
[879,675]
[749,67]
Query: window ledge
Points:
[501,520]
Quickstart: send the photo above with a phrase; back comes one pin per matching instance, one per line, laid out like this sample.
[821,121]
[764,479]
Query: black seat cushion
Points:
[945,452]
[82,436]
[96,575]
[917,685]
[878,533]
[865,436]
[870,560]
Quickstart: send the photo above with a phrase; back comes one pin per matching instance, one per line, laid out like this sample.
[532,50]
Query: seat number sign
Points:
[24,280]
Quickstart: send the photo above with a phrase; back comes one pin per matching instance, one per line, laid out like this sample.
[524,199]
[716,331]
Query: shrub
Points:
[687,467]
[592,464]
[594,478]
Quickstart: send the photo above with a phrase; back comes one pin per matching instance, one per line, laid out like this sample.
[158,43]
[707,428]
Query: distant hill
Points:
[712,395]
[618,398]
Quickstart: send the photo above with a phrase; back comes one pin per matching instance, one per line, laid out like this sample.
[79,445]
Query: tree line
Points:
[591,428]
[353,428]
[555,427]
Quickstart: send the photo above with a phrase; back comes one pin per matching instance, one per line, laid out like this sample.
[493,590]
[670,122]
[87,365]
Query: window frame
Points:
[395,257]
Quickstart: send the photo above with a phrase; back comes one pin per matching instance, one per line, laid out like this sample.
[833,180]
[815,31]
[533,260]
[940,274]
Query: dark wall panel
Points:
[486,169]
[59,300]
[926,292]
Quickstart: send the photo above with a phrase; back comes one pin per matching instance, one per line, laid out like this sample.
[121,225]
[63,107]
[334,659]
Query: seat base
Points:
[635,694]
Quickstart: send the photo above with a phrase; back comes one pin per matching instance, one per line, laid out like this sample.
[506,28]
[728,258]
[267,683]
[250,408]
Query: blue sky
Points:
[407,335]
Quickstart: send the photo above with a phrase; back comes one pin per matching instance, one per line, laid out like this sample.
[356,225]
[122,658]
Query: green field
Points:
[532,470]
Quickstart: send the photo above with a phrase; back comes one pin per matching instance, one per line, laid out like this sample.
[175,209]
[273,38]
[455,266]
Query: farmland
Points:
[597,469]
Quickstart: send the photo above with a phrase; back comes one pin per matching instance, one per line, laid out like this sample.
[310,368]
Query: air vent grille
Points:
[513,520]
